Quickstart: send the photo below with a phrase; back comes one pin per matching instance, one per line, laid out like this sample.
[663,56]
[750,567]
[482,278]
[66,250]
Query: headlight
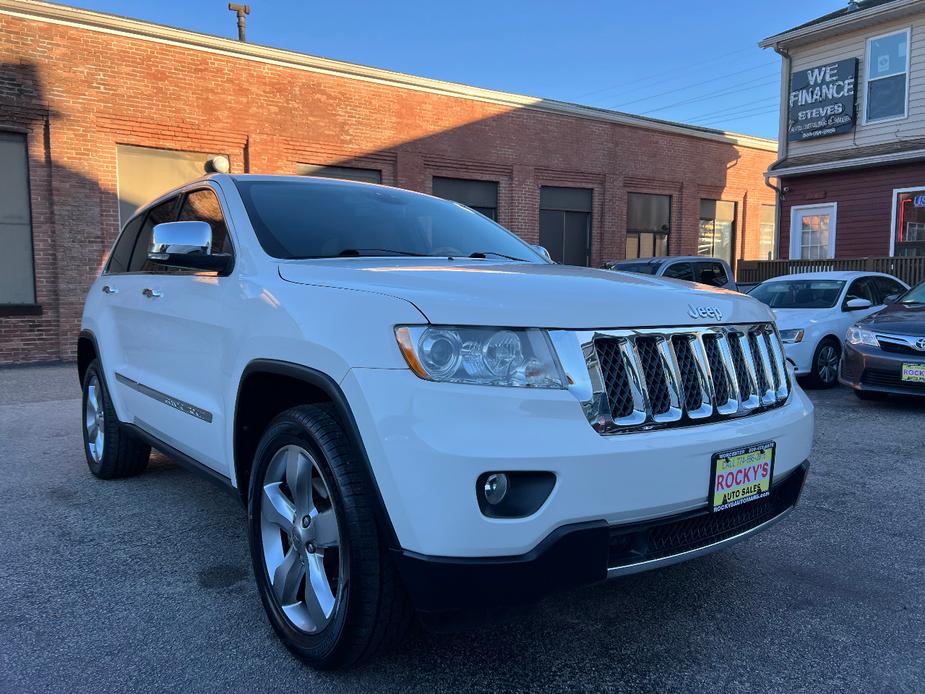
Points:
[481,356]
[859,336]
[789,337]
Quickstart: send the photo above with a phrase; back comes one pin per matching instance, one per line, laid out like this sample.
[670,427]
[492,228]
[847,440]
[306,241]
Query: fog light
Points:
[495,488]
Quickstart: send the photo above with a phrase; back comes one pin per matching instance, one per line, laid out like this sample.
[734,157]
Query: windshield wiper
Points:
[357,252]
[485,254]
[912,303]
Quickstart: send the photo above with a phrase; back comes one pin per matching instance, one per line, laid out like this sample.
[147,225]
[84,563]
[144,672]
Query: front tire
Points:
[111,451]
[321,560]
[824,373]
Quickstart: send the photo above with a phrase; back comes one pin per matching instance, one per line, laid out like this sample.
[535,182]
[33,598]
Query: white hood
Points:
[479,292]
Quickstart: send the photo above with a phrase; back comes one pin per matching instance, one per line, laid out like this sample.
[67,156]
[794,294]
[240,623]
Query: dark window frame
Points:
[656,233]
[481,209]
[733,232]
[565,209]
[32,308]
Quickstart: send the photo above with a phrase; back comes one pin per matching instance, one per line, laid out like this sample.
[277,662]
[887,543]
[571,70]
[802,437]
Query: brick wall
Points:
[79,93]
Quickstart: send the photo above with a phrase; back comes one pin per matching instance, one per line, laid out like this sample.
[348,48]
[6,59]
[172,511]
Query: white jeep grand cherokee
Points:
[421,412]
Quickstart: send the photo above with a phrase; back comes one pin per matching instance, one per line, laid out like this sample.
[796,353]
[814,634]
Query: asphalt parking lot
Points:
[145,584]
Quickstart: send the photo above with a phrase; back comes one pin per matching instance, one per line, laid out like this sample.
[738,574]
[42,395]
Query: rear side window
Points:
[122,253]
[165,212]
[888,288]
[203,206]
[712,273]
[680,271]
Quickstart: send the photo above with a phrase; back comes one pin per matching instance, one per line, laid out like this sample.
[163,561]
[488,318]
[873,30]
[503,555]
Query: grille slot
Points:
[687,365]
[616,380]
[683,376]
[717,368]
[656,381]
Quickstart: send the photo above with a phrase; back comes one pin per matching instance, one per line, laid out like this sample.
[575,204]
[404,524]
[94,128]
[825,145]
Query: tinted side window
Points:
[122,252]
[712,273]
[862,288]
[888,287]
[680,271]
[165,212]
[203,206]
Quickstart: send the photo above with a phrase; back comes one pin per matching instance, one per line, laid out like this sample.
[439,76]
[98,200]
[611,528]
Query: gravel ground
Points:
[145,584]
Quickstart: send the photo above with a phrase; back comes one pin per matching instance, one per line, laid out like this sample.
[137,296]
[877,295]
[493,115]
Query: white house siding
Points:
[854,45]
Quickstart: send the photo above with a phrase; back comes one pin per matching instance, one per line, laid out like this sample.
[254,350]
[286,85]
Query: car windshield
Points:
[916,295]
[641,268]
[327,219]
[799,293]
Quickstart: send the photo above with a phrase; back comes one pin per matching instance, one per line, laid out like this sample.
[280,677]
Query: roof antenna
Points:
[242,12]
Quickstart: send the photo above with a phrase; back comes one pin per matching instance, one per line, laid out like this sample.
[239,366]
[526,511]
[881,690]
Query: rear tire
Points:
[331,590]
[824,370]
[871,395]
[111,451]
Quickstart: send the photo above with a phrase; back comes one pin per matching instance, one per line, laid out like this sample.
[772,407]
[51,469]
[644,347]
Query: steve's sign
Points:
[822,100]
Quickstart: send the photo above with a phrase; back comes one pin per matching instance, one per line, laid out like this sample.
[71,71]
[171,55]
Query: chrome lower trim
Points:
[175,403]
[692,553]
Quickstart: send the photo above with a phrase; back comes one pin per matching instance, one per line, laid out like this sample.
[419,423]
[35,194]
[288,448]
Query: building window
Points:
[812,231]
[767,232]
[887,76]
[909,222]
[17,280]
[648,225]
[146,173]
[481,196]
[565,224]
[345,173]
[716,237]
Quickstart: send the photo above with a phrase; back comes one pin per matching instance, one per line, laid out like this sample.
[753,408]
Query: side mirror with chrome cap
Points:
[857,304]
[186,245]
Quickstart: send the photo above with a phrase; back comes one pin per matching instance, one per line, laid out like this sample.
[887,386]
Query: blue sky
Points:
[694,61]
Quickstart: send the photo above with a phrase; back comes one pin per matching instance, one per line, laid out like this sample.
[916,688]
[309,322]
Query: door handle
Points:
[151,293]
[109,290]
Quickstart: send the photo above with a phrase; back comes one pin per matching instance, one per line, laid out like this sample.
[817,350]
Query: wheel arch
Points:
[87,351]
[282,385]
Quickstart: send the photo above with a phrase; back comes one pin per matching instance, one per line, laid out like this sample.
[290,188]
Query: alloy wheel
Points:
[827,364]
[94,419]
[301,540]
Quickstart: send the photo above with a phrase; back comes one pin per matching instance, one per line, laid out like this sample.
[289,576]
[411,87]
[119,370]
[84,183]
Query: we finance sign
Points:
[822,100]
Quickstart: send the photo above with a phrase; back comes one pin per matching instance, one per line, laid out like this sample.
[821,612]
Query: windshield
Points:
[916,295]
[641,268]
[799,293]
[326,219]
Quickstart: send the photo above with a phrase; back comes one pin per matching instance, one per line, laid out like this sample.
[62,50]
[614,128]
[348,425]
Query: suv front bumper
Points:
[587,553]
[427,444]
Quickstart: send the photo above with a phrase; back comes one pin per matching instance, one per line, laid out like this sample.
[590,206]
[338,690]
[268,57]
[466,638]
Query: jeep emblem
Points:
[704,312]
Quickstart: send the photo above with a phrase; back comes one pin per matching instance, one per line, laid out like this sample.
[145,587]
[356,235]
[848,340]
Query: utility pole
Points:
[242,11]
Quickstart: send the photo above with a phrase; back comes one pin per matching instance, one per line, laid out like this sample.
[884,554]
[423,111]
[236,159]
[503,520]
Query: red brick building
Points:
[97,109]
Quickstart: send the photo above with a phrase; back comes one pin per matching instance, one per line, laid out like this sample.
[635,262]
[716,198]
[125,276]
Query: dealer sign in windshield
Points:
[822,100]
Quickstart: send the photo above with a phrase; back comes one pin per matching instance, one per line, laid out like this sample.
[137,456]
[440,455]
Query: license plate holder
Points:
[741,475]
[913,373]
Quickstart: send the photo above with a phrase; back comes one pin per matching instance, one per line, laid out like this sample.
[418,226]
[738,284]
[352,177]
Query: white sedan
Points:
[814,311]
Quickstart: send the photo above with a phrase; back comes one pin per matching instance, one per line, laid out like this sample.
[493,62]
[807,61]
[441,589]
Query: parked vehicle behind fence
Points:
[814,310]
[422,413]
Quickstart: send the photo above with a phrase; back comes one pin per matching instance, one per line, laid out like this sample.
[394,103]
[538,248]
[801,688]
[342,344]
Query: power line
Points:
[670,71]
[721,111]
[689,86]
[741,116]
[711,95]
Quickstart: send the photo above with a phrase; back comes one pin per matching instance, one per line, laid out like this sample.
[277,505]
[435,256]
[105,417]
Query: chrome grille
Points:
[647,378]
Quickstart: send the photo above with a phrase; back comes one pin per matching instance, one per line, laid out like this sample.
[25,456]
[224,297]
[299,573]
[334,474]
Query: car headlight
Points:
[859,336]
[789,337]
[481,356]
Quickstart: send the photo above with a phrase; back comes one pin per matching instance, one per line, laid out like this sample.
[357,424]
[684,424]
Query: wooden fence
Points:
[909,269]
